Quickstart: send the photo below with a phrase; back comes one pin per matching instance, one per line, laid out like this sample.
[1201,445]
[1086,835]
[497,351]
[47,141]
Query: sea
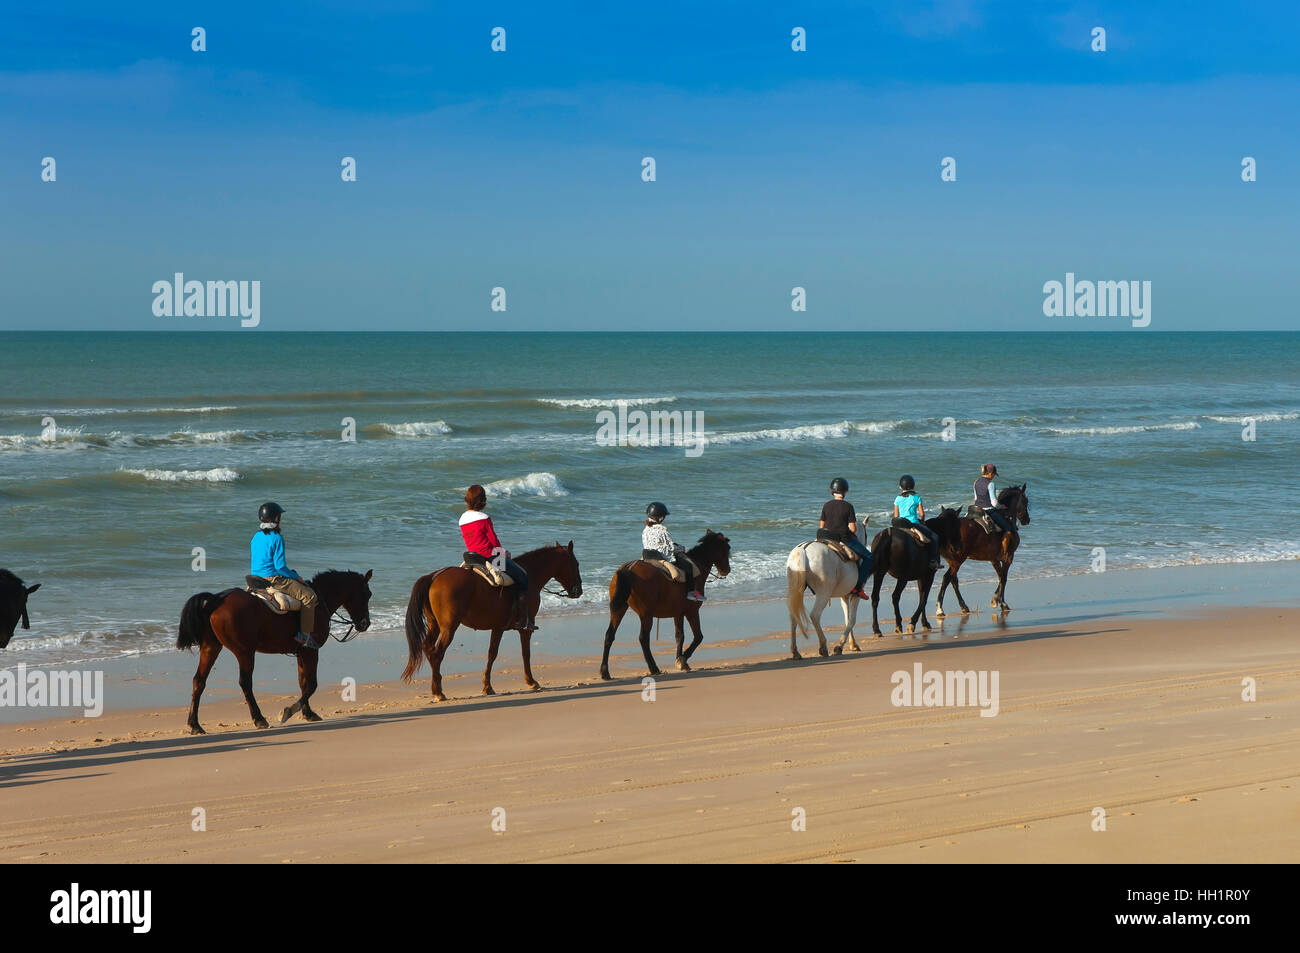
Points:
[132,465]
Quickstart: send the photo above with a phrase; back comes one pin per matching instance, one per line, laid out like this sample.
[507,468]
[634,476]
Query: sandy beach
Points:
[1139,714]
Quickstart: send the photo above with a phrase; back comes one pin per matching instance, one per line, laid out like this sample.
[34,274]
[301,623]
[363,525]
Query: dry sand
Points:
[1144,719]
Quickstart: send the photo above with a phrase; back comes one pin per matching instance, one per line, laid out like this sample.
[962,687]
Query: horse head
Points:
[13,605]
[713,550]
[346,590]
[1015,500]
[567,573]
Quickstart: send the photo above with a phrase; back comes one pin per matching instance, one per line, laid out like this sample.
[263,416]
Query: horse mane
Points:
[708,536]
[329,578]
[1005,493]
[9,583]
[540,549]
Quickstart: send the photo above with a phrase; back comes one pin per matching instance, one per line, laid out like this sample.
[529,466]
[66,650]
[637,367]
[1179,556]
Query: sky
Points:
[775,169]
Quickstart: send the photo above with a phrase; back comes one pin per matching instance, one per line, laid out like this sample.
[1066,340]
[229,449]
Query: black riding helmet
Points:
[269,512]
[656,511]
[839,485]
[905,482]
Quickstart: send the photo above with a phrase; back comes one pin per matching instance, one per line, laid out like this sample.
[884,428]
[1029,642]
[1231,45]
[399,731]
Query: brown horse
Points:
[443,601]
[13,605]
[244,624]
[999,549]
[652,595]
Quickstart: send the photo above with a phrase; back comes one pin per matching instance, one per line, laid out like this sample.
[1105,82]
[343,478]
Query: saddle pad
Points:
[278,602]
[670,570]
[915,533]
[840,549]
[485,571]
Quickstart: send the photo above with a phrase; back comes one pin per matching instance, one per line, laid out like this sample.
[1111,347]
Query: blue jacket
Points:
[267,551]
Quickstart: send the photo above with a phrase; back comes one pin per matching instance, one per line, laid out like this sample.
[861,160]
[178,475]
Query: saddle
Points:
[984,520]
[915,533]
[668,569]
[281,603]
[486,571]
[839,548]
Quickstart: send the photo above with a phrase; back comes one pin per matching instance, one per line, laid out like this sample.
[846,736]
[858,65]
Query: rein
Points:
[350,634]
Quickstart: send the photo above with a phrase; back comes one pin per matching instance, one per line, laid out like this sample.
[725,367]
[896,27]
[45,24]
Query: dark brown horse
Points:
[652,595]
[999,549]
[896,552]
[443,601]
[13,605]
[244,624]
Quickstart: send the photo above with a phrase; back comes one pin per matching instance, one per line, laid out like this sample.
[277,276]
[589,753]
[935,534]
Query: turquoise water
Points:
[164,442]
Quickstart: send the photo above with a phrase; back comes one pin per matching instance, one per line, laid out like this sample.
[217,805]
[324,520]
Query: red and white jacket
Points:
[480,537]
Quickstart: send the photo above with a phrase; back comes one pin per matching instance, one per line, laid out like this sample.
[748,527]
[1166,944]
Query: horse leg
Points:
[850,619]
[697,638]
[679,634]
[646,622]
[526,650]
[1004,570]
[898,615]
[943,586]
[307,685]
[435,652]
[208,652]
[819,606]
[923,593]
[951,574]
[494,643]
[875,602]
[245,659]
[615,617]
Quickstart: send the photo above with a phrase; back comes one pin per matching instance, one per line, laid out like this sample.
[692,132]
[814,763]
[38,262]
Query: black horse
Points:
[13,605]
[896,552]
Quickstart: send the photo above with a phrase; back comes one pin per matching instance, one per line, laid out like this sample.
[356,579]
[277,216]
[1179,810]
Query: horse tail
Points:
[796,580]
[417,628]
[196,619]
[623,582]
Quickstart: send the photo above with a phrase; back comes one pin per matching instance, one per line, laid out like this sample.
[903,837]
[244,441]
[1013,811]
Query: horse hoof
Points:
[823,653]
[795,657]
[682,666]
[655,673]
[311,716]
[927,626]
[898,630]
[965,611]
[838,650]
[261,723]
[939,613]
[993,603]
[487,690]
[605,676]
[440,697]
[911,629]
[196,730]
[535,687]
[286,715]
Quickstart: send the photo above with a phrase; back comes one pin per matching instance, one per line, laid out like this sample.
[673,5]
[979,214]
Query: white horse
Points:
[814,566]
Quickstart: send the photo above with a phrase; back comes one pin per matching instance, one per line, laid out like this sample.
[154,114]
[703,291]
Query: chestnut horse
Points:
[998,549]
[443,601]
[652,595]
[245,624]
[896,552]
[13,605]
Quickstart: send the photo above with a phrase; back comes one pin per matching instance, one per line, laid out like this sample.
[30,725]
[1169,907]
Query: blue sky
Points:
[775,169]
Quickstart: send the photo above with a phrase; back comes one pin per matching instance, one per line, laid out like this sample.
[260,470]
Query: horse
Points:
[444,600]
[828,577]
[652,595]
[1000,549]
[13,605]
[894,551]
[243,623]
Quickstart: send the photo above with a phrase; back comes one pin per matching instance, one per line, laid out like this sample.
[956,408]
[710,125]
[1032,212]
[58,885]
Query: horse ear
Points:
[369,573]
[570,545]
[31,589]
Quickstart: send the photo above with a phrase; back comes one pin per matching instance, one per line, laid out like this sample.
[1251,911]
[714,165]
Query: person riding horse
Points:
[909,513]
[657,544]
[839,522]
[266,551]
[481,542]
[986,496]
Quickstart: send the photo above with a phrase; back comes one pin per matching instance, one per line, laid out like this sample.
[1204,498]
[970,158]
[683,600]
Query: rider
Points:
[481,539]
[657,544]
[909,510]
[266,550]
[840,522]
[986,496]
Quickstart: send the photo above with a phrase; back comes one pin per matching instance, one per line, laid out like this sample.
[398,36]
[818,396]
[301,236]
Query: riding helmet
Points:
[656,511]
[269,513]
[905,482]
[839,485]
